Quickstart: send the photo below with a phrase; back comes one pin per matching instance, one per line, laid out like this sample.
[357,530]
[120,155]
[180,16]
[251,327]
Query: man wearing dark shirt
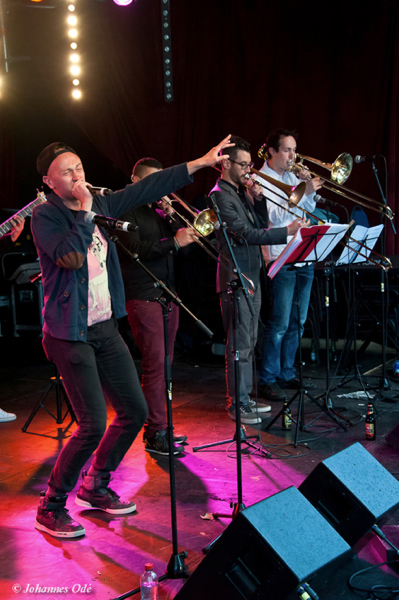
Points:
[156,241]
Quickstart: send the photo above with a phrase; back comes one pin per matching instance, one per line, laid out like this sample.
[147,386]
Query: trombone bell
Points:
[205,221]
[342,168]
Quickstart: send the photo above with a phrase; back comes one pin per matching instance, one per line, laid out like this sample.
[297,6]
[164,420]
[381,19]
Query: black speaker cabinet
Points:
[353,491]
[267,551]
[393,437]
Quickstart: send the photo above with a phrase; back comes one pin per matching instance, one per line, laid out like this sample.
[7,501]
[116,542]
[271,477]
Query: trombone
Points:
[287,191]
[340,171]
[205,222]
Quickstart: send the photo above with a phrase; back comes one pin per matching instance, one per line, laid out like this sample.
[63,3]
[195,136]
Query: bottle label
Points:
[287,421]
[370,431]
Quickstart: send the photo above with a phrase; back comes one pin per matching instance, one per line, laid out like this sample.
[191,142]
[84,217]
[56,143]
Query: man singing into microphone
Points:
[83,297]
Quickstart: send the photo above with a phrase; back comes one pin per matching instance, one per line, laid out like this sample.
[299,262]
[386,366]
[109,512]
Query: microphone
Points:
[321,200]
[109,222]
[99,191]
[360,159]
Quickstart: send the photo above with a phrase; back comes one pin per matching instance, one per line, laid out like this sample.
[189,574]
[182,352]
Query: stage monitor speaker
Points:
[267,551]
[393,437]
[353,491]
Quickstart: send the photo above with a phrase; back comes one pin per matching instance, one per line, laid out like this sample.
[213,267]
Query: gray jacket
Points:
[251,230]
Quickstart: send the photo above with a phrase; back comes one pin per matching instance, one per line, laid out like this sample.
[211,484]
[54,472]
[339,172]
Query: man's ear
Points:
[47,181]
[135,179]
[226,164]
[272,151]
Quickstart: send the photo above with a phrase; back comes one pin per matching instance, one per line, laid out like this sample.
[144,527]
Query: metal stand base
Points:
[61,395]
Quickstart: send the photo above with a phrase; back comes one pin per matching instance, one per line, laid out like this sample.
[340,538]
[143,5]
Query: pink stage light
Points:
[123,2]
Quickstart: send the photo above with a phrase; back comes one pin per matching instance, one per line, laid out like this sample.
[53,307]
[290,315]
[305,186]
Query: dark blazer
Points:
[251,230]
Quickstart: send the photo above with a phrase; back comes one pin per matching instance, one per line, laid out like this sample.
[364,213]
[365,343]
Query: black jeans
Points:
[102,364]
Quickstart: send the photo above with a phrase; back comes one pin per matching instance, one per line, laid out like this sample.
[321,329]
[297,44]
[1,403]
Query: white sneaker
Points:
[5,416]
[259,407]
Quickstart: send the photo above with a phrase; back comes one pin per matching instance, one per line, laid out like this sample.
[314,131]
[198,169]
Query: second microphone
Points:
[109,222]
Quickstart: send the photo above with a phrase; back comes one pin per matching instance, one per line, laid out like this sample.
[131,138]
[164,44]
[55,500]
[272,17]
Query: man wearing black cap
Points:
[83,297]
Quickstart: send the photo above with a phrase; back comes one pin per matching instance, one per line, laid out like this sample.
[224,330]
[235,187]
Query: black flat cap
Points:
[50,153]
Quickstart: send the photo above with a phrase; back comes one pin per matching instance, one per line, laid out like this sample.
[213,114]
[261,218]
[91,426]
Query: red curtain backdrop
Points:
[330,70]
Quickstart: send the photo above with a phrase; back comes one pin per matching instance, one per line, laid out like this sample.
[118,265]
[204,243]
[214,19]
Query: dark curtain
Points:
[330,70]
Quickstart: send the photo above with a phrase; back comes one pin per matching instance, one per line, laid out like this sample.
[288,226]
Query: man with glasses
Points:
[247,222]
[280,341]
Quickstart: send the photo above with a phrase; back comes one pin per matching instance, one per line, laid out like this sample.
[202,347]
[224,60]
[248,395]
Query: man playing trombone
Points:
[280,340]
[248,231]
[156,241]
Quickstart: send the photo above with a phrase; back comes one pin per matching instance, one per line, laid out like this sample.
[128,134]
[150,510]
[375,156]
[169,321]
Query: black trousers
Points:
[89,369]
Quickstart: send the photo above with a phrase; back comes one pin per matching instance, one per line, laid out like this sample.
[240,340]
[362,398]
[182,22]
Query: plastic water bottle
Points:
[149,583]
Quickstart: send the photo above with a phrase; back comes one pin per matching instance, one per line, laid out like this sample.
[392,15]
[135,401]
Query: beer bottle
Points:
[370,422]
[286,417]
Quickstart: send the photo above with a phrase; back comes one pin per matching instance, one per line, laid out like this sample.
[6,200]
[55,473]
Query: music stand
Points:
[362,238]
[309,245]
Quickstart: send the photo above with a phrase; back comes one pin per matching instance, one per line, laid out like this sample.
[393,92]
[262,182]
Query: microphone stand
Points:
[385,384]
[176,567]
[240,436]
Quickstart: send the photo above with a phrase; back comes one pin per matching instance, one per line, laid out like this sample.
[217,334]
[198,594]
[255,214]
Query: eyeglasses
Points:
[243,165]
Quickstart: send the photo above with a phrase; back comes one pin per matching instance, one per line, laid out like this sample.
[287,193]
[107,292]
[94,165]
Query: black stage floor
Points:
[111,557]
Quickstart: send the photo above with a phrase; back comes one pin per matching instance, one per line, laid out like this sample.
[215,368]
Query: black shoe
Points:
[159,444]
[53,518]
[295,384]
[248,417]
[101,496]
[178,438]
[271,391]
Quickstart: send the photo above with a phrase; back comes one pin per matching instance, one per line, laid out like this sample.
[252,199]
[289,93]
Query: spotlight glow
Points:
[73,45]
[76,94]
[72,20]
[74,58]
[71,8]
[73,33]
[123,2]
[75,81]
[75,70]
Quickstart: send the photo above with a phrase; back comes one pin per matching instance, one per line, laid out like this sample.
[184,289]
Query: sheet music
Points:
[367,236]
[311,244]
